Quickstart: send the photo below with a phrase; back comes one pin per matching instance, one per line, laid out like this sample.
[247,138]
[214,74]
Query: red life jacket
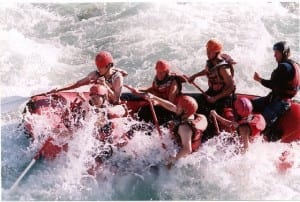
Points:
[293,85]
[256,123]
[215,80]
[197,131]
[162,88]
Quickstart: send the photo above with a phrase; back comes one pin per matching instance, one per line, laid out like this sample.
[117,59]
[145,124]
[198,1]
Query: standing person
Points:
[219,71]
[105,75]
[188,127]
[248,125]
[284,84]
[166,85]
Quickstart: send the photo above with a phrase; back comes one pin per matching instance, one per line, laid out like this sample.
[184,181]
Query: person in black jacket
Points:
[284,84]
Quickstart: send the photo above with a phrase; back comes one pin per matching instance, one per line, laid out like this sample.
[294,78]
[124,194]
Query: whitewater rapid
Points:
[48,45]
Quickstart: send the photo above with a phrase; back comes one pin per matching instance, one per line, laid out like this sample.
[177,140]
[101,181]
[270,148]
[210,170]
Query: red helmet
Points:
[188,103]
[214,45]
[103,59]
[98,90]
[243,106]
[162,65]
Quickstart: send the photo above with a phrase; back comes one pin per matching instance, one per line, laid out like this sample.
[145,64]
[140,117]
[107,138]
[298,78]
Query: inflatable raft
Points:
[288,126]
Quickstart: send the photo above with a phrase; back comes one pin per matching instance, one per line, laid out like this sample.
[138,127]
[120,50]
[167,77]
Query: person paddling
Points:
[284,84]
[106,74]
[219,71]
[166,85]
[187,127]
[248,125]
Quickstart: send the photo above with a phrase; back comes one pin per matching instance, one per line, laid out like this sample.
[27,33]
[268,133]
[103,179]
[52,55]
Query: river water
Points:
[44,46]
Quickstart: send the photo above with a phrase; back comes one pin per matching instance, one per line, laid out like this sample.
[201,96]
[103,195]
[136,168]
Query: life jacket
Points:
[116,73]
[256,123]
[195,126]
[293,86]
[162,88]
[215,80]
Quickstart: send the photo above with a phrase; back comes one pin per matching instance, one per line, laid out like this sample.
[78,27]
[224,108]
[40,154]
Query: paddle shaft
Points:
[23,174]
[216,124]
[194,84]
[35,158]
[198,87]
[155,118]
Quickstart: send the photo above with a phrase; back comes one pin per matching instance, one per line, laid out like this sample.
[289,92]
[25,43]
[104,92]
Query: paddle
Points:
[23,174]
[216,124]
[155,118]
[35,158]
[48,151]
[196,85]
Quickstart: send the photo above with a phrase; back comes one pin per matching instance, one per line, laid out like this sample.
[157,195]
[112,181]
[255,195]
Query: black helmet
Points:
[283,47]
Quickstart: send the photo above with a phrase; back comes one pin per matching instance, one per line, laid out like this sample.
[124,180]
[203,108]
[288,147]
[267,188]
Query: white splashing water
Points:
[50,45]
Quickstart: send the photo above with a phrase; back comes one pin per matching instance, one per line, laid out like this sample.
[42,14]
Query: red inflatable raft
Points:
[288,125]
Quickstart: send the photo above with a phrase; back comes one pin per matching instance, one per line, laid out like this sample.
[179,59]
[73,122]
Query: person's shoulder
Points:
[93,73]
[223,64]
[224,70]
[117,75]
[177,78]
[119,72]
[285,66]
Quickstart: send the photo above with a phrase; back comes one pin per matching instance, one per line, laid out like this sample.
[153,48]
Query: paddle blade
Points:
[50,150]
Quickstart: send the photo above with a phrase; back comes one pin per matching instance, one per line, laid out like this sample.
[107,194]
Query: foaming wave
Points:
[219,168]
[22,55]
[51,45]
[140,167]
